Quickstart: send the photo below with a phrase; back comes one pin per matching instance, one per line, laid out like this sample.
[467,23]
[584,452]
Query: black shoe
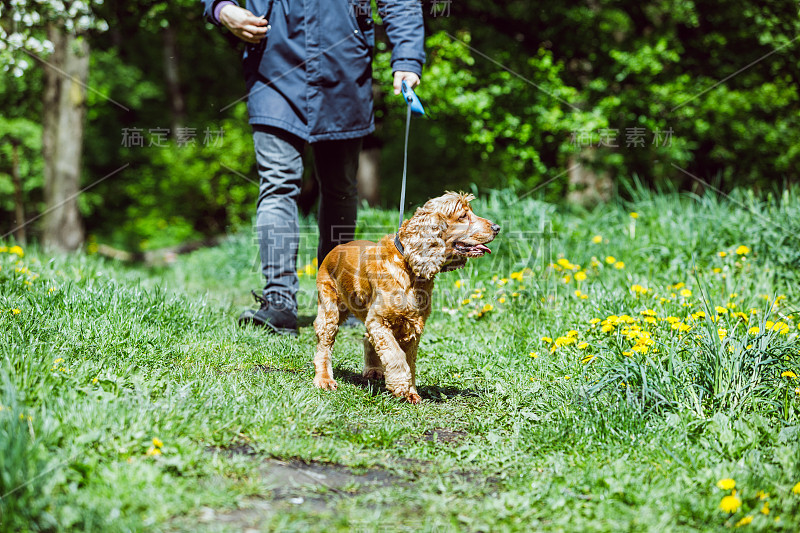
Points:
[273,318]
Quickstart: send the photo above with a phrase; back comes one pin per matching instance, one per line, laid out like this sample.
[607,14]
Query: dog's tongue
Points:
[483,248]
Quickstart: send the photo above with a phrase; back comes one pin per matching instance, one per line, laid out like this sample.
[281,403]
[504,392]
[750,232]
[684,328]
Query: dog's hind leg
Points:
[373,369]
[326,325]
[411,358]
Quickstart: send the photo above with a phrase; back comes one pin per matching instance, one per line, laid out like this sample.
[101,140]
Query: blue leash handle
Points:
[411,99]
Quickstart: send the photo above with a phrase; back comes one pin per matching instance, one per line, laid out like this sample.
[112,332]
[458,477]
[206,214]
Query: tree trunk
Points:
[173,79]
[19,207]
[62,138]
[369,175]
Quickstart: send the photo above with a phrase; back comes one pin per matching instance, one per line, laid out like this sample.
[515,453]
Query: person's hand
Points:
[243,24]
[411,79]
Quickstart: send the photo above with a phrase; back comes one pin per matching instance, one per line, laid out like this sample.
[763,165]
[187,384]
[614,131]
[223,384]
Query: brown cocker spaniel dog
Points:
[388,286]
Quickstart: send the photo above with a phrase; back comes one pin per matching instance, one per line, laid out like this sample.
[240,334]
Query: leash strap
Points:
[405,165]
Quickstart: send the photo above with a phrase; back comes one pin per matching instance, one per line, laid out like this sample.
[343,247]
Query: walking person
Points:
[308,73]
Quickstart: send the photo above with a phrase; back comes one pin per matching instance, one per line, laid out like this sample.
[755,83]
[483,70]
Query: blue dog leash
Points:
[413,106]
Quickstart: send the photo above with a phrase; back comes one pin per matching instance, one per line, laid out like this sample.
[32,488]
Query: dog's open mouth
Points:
[471,250]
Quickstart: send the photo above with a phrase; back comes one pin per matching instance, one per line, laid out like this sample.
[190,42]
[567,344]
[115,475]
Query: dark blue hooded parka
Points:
[312,74]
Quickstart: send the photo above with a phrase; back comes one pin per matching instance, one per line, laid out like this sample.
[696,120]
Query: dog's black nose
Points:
[495,229]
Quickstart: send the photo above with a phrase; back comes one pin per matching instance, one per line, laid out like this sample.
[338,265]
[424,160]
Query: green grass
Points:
[617,420]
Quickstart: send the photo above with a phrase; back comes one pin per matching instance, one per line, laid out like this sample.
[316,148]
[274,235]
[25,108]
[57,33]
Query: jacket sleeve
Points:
[406,33]
[209,12]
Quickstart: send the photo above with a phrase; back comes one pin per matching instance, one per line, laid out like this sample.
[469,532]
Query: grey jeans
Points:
[279,158]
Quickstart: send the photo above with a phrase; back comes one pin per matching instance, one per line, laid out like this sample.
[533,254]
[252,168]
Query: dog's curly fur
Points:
[391,292]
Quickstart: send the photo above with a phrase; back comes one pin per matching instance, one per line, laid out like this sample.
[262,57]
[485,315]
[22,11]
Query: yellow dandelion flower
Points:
[586,359]
[566,279]
[459,284]
[157,442]
[730,504]
[533,355]
[781,327]
[15,311]
[722,254]
[797,390]
[762,495]
[722,332]
[726,484]
[796,489]
[580,276]
[788,374]
[16,250]
[619,265]
[547,340]
[153,451]
[501,300]
[594,321]
[465,301]
[597,239]
[567,377]
[486,308]
[94,381]
[753,331]
[721,310]
[514,294]
[583,345]
[634,215]
[611,260]
[743,316]
[686,293]
[517,275]
[564,341]
[742,250]
[765,508]
[717,270]
[309,270]
[744,521]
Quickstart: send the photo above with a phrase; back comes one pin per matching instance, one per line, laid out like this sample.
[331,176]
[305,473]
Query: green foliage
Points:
[27,136]
[672,92]
[189,190]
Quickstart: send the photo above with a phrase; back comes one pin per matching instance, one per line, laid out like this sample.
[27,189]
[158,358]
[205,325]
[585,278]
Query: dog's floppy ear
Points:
[422,238]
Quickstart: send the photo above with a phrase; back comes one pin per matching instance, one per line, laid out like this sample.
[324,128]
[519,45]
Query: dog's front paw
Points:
[373,373]
[325,383]
[404,391]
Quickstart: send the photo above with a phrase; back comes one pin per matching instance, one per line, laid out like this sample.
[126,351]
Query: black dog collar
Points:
[398,244]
